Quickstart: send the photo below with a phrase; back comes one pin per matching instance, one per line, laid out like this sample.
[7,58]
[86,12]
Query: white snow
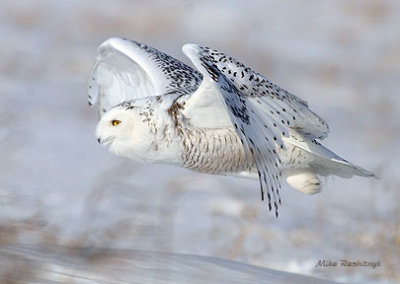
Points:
[102,265]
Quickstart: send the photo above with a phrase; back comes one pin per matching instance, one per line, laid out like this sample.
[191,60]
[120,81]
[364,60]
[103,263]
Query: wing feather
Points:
[126,70]
[259,137]
[278,105]
[261,112]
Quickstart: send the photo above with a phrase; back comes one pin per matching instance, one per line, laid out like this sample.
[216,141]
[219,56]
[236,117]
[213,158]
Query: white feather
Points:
[126,70]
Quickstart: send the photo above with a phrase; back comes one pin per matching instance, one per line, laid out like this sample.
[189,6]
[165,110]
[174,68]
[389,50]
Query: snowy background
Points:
[58,187]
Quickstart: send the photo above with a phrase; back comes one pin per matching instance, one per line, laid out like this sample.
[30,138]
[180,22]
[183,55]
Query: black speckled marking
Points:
[180,75]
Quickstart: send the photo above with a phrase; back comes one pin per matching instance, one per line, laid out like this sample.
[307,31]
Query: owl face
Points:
[124,132]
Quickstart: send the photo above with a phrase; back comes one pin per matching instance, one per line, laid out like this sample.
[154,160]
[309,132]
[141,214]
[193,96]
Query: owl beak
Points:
[105,141]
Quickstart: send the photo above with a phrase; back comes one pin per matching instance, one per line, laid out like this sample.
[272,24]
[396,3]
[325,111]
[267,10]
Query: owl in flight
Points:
[223,119]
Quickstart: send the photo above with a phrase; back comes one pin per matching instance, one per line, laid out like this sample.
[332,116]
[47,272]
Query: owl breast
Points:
[213,151]
[220,151]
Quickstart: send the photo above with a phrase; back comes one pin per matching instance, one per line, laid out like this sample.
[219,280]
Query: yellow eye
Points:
[115,122]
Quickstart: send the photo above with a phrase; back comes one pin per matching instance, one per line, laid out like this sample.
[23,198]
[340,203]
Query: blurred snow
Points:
[59,187]
[101,265]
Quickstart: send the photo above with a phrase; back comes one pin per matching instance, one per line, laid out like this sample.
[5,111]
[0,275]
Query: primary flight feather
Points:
[223,119]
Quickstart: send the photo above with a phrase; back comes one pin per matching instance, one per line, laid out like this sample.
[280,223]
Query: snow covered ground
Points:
[52,264]
[58,187]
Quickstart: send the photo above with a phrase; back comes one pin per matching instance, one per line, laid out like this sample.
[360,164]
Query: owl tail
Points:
[307,179]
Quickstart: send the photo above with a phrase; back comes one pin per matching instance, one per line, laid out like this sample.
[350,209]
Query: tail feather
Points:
[340,168]
[316,161]
[307,161]
[308,179]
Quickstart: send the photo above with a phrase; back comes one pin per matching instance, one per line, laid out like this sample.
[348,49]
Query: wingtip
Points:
[197,55]
[110,41]
[189,49]
[121,44]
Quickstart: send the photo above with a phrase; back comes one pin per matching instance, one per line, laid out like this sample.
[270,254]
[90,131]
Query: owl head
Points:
[125,132]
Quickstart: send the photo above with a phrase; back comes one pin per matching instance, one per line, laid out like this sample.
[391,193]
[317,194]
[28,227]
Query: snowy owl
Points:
[223,119]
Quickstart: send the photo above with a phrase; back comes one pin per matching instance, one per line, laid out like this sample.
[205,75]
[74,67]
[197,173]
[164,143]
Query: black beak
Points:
[99,140]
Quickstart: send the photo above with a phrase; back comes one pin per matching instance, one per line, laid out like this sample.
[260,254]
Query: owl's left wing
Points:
[260,111]
[126,70]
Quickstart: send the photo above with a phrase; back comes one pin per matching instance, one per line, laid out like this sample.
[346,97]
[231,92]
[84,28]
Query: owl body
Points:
[226,119]
[159,136]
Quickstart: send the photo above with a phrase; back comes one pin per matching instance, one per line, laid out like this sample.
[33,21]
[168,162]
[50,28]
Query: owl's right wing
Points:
[126,70]
[260,112]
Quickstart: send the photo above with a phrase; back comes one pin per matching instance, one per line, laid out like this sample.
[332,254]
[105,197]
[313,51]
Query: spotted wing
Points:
[275,100]
[125,70]
[260,111]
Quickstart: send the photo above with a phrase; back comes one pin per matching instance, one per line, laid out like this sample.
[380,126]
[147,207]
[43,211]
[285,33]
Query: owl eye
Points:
[115,122]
